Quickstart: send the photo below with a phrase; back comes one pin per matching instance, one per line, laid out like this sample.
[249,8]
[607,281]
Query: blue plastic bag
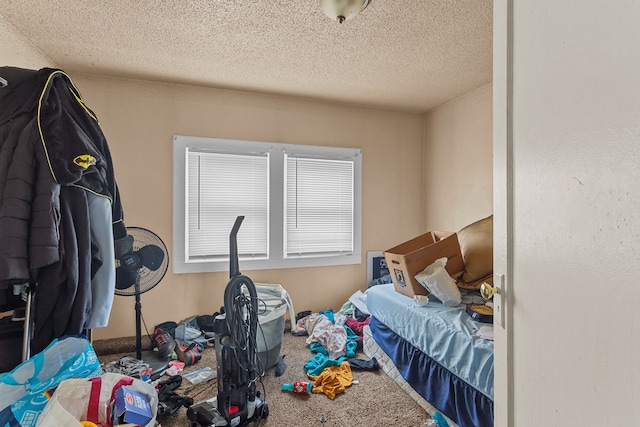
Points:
[25,390]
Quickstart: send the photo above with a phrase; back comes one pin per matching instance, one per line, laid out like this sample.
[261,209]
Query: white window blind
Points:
[302,204]
[220,187]
[319,207]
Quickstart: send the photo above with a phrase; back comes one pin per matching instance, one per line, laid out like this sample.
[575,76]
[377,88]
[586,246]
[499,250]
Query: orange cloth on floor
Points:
[333,380]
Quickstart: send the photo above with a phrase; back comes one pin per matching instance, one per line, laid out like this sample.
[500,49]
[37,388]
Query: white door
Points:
[567,212]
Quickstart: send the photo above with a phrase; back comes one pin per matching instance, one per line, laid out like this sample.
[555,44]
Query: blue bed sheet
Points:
[437,351]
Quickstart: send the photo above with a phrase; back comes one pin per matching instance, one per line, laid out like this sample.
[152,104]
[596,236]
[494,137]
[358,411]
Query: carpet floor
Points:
[376,400]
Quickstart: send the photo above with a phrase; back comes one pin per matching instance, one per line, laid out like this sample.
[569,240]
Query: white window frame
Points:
[276,260]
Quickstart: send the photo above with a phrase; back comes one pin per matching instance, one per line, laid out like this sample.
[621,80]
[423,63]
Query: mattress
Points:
[437,351]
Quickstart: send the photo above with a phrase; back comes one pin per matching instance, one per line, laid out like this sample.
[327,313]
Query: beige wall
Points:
[140,118]
[458,159]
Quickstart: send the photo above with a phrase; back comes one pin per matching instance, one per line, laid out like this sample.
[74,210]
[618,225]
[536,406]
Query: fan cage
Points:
[147,278]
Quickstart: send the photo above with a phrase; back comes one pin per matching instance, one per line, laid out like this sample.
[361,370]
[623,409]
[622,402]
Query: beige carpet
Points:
[375,401]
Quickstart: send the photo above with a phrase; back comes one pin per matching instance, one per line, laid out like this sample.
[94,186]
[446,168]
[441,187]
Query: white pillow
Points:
[439,283]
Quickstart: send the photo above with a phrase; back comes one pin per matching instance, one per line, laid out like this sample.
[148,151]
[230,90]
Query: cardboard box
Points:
[411,257]
[131,408]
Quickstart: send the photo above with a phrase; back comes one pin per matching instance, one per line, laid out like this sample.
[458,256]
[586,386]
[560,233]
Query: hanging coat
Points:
[49,138]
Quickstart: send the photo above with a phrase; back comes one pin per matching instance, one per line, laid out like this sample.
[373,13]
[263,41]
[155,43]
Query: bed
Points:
[434,352]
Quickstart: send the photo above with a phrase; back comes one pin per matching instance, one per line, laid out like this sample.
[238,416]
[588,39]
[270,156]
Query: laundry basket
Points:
[273,303]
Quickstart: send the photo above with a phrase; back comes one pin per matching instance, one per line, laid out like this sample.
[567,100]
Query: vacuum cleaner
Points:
[237,402]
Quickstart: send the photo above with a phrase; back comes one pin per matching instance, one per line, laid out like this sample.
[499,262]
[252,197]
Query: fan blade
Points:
[151,256]
[125,277]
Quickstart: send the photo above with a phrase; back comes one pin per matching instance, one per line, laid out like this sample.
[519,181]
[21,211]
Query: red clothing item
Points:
[357,326]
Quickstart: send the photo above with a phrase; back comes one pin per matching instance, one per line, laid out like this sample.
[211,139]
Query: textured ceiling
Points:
[408,55]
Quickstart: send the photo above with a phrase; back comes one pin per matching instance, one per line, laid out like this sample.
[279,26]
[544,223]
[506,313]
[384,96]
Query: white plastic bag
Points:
[439,283]
[78,400]
[273,304]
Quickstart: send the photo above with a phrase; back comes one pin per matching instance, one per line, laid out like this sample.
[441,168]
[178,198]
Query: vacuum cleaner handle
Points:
[234,270]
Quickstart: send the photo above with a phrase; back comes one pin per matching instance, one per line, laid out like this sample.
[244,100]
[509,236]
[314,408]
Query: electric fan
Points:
[142,261]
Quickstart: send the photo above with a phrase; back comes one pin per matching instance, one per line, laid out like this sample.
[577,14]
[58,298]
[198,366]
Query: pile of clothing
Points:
[335,339]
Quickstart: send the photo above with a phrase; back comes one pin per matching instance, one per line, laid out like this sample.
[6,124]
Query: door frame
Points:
[503,210]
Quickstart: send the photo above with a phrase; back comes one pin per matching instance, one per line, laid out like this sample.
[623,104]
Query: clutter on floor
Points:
[129,393]
[177,387]
[334,337]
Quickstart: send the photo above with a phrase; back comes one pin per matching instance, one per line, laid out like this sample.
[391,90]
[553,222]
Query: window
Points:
[301,203]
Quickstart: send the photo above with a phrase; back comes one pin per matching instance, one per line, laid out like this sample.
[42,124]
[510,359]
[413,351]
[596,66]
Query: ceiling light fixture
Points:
[342,10]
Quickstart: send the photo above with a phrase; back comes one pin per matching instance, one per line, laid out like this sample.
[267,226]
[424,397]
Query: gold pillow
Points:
[476,246]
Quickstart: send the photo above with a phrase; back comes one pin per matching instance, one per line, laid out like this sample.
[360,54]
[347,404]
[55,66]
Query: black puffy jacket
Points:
[49,139]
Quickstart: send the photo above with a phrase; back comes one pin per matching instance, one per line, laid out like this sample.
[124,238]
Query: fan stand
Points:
[157,363]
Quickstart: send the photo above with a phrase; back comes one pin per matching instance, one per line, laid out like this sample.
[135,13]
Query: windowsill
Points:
[206,267]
